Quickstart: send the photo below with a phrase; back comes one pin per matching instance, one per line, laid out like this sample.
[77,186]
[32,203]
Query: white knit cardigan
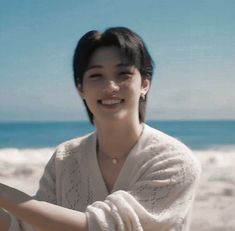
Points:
[154,191]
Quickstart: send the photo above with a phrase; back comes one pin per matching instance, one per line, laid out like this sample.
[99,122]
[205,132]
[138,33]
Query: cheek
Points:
[93,85]
[133,93]
[88,87]
[134,87]
[87,93]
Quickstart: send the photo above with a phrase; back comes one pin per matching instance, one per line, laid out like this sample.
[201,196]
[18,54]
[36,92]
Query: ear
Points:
[145,86]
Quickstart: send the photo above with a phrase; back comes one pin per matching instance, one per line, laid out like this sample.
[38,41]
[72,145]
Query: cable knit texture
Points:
[154,191]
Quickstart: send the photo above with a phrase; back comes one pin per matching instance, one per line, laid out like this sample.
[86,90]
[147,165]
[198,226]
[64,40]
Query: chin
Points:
[119,117]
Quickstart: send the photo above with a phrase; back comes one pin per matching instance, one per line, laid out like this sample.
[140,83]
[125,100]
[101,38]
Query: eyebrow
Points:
[93,66]
[100,66]
[123,65]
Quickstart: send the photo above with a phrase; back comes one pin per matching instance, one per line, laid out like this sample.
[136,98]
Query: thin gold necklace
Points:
[115,160]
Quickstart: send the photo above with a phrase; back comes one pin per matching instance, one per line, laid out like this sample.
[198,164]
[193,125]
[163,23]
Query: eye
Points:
[95,76]
[126,74]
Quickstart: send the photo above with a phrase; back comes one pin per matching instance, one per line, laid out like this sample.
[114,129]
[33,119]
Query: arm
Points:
[160,198]
[41,215]
[46,192]
[4,220]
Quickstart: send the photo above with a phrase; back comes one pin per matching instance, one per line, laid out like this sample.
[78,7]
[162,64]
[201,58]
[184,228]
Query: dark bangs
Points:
[132,49]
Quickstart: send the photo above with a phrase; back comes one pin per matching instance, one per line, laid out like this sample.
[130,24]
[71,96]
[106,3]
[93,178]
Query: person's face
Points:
[112,88]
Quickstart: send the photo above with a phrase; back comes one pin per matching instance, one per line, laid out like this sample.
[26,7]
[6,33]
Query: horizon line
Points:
[147,121]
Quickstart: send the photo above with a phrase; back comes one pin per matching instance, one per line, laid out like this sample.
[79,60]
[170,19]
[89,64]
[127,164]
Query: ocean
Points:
[200,135]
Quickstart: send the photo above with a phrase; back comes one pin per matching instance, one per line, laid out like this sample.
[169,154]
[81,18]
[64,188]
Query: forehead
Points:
[110,55]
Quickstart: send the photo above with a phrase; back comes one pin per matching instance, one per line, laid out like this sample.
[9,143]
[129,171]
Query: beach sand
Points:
[214,207]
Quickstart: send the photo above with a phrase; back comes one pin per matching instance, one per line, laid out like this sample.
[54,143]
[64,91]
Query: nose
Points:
[111,86]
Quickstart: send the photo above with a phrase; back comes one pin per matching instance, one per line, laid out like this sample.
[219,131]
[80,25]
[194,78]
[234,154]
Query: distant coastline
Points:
[86,121]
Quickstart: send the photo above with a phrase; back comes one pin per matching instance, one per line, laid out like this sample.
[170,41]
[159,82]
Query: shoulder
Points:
[161,142]
[166,153]
[73,146]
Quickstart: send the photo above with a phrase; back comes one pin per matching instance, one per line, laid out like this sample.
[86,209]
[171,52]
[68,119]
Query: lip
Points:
[110,101]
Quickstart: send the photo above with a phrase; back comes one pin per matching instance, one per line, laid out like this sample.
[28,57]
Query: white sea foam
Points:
[216,157]
[12,158]
[217,163]
[22,168]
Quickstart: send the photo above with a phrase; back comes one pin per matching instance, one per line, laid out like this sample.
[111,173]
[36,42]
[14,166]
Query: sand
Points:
[214,207]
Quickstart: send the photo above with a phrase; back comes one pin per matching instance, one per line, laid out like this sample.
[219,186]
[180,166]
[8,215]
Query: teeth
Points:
[110,101]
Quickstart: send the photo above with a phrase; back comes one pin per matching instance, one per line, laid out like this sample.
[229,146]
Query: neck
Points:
[117,140]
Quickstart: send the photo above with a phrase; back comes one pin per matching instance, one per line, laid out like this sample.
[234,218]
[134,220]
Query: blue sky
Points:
[191,41]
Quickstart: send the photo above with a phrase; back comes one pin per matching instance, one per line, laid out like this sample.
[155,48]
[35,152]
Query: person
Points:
[125,175]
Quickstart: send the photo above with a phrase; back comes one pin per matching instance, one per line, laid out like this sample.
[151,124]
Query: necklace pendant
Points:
[114,161]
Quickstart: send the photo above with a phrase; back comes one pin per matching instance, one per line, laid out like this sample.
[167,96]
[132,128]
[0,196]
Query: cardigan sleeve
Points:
[46,192]
[161,198]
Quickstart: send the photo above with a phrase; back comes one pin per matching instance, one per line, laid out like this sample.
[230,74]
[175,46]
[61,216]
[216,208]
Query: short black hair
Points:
[133,50]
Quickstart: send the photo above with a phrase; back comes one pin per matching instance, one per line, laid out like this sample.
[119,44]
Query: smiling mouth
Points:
[110,102]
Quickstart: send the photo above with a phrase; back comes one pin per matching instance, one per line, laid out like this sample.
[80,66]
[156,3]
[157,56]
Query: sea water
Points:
[200,135]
